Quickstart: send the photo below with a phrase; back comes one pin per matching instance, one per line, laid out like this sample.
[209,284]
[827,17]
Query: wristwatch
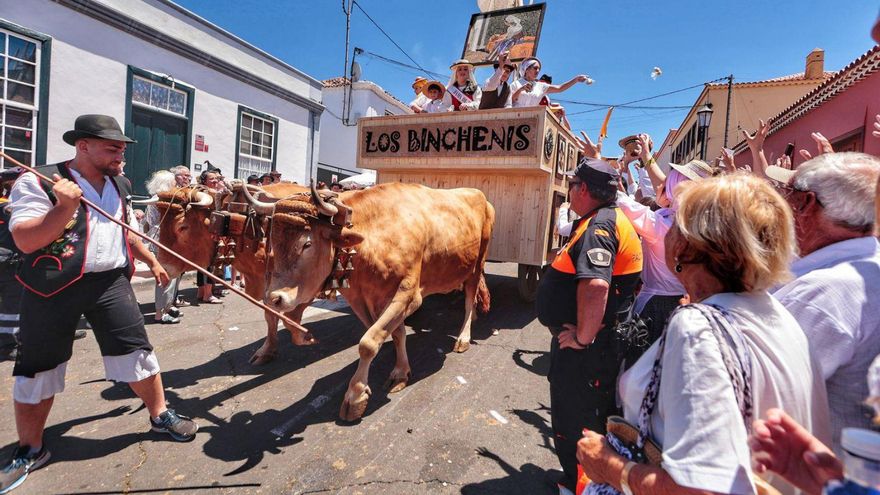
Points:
[624,478]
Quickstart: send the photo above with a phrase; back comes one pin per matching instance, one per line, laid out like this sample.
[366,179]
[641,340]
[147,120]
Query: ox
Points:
[184,228]
[411,241]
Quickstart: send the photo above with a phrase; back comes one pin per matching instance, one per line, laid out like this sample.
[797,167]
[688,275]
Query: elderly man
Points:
[182,175]
[836,293]
[587,290]
[77,262]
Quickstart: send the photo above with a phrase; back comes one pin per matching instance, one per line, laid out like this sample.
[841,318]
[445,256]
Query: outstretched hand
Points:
[589,149]
[645,145]
[756,140]
[781,445]
[822,144]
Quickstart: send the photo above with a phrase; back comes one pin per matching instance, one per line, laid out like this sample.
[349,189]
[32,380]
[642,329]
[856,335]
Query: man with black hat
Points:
[587,290]
[496,91]
[77,262]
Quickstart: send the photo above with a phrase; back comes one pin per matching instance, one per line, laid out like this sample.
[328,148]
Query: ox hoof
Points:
[263,356]
[461,345]
[397,381]
[353,410]
[301,338]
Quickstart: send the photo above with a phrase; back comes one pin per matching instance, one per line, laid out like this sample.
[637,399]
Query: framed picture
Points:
[516,30]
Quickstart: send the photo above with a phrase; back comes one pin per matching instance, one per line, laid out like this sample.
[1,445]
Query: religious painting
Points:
[516,30]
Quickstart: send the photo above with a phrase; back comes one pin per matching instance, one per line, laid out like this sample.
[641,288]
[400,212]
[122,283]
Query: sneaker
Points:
[174,312]
[181,428]
[20,466]
[79,334]
[180,303]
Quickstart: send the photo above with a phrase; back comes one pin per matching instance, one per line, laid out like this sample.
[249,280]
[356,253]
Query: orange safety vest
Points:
[628,258]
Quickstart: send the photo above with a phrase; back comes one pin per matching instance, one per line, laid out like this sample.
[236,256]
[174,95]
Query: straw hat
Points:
[695,169]
[779,174]
[419,82]
[461,61]
[429,84]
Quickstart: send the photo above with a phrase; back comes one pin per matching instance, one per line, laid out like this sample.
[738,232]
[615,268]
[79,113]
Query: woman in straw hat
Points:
[463,93]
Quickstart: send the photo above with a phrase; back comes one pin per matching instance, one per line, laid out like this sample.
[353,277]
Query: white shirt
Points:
[106,245]
[696,420]
[420,101]
[528,98]
[645,184]
[652,227]
[836,299]
[437,106]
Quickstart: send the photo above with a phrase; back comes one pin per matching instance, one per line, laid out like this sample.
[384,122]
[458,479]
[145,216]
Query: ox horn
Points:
[261,207]
[203,199]
[151,201]
[324,208]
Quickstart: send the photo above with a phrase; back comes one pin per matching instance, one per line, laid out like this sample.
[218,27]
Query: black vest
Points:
[51,269]
[491,99]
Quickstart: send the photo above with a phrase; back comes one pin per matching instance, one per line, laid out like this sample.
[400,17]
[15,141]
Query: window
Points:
[258,135]
[158,96]
[19,96]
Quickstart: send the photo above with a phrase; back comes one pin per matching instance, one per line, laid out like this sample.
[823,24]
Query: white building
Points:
[338,151]
[186,90]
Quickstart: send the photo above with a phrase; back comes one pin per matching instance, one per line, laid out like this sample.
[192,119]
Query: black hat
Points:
[10,173]
[253,177]
[596,171]
[96,126]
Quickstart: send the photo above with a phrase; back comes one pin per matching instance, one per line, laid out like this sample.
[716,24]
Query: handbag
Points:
[635,442]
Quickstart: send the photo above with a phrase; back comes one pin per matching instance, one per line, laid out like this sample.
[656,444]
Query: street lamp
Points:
[704,118]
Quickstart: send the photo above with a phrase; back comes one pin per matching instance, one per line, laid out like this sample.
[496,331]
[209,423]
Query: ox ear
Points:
[346,238]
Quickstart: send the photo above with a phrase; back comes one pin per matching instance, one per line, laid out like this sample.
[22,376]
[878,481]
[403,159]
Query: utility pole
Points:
[727,116]
[346,88]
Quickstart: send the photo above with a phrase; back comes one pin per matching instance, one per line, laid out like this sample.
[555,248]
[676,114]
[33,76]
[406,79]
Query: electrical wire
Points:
[399,63]
[358,5]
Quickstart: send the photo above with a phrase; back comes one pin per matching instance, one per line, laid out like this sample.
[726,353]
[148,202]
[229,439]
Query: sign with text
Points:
[510,137]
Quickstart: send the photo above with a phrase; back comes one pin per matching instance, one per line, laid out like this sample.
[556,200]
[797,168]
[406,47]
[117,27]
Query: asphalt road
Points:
[469,423]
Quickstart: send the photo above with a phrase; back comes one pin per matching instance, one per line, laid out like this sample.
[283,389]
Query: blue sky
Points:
[617,42]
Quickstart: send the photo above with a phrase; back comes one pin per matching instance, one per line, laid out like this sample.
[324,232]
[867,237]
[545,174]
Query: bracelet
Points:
[650,161]
[624,478]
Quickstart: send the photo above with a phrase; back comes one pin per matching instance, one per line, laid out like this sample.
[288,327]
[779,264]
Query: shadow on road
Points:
[529,478]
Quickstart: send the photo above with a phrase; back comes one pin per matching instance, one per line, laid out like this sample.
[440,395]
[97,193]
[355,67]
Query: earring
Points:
[677,266]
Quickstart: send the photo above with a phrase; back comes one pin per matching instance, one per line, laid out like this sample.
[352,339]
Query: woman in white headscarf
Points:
[527,91]
[462,93]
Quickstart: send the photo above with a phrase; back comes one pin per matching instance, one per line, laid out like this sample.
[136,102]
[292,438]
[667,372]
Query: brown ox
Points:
[184,229]
[412,241]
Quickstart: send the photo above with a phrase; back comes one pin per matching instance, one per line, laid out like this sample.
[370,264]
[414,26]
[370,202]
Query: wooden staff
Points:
[290,324]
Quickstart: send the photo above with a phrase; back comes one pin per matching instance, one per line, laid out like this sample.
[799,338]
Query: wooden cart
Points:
[516,156]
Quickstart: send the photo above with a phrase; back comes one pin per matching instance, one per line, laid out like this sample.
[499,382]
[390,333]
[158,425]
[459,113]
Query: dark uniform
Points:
[583,383]
[10,289]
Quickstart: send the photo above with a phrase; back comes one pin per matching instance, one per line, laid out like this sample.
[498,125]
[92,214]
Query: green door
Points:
[161,144]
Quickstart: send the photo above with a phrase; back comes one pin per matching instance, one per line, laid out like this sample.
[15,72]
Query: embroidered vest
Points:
[494,99]
[51,269]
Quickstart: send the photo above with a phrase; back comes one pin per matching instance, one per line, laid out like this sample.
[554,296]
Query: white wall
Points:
[338,146]
[89,63]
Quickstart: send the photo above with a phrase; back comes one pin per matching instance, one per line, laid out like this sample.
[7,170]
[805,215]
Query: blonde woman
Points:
[722,361]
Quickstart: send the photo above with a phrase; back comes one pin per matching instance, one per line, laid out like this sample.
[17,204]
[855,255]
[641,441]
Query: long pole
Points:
[727,115]
[290,324]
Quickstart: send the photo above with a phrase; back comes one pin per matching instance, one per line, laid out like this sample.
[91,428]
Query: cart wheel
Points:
[528,277]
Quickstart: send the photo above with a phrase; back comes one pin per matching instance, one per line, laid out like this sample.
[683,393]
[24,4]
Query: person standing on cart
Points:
[587,290]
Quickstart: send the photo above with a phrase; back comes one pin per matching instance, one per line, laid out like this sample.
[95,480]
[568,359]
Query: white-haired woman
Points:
[166,310]
[462,93]
[527,91]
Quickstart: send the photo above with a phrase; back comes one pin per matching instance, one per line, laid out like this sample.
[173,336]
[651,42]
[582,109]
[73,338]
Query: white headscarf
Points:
[471,78]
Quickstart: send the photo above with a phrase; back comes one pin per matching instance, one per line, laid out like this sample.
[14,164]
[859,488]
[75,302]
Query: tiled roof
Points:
[857,70]
[791,78]
[336,82]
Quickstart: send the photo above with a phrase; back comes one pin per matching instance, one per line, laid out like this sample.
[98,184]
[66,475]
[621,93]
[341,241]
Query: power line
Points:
[399,63]
[388,36]
[650,97]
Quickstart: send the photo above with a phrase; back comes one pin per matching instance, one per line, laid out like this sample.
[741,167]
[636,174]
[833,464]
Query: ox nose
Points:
[279,299]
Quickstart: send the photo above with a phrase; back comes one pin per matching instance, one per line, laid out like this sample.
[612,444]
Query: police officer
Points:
[585,292]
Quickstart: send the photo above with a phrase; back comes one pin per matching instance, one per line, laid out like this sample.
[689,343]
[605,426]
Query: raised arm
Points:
[553,88]
[756,146]
[654,172]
